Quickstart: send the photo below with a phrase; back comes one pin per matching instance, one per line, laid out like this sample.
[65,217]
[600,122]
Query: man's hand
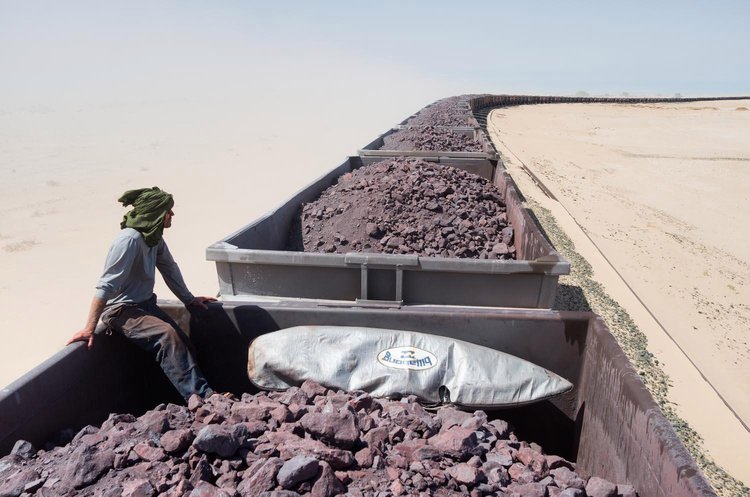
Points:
[201,302]
[85,335]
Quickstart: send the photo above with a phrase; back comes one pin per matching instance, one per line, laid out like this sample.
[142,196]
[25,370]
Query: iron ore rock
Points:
[430,138]
[342,443]
[407,206]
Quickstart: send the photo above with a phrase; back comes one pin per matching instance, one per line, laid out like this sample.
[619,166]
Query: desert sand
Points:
[657,198]
[226,160]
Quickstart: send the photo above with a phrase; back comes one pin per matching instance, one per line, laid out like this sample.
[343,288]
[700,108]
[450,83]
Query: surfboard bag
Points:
[392,363]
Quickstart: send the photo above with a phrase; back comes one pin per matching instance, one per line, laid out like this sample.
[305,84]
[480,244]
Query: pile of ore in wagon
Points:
[307,440]
[451,111]
[432,138]
[407,206]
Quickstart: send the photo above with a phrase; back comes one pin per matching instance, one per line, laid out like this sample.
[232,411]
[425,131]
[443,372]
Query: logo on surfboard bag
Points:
[407,358]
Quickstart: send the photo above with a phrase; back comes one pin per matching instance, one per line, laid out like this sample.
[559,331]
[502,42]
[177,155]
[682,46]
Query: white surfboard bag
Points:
[391,363]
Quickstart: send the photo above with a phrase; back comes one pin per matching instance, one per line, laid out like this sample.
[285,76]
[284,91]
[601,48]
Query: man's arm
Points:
[87,333]
[172,275]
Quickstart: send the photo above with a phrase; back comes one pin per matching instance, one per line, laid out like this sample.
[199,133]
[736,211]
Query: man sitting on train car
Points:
[124,301]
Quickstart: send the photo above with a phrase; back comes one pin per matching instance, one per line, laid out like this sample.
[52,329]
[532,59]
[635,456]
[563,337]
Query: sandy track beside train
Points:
[658,188]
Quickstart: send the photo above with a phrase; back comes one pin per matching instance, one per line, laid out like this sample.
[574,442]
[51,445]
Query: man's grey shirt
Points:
[130,271]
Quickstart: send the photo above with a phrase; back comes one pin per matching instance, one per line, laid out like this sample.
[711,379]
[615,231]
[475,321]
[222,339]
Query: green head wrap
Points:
[147,216]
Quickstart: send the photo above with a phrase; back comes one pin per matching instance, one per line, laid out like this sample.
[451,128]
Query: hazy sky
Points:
[59,51]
